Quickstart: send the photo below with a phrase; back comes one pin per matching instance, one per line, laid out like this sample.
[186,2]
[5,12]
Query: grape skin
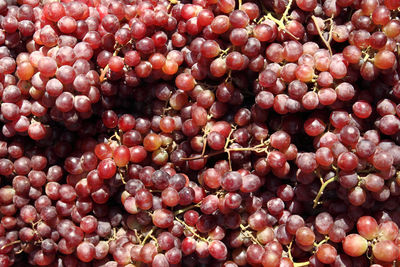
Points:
[205,132]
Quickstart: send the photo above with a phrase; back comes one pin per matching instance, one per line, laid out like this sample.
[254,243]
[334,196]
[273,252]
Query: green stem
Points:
[300,264]
[106,68]
[321,190]
[148,235]
[192,231]
[121,173]
[323,241]
[327,44]
[256,149]
[11,244]
[205,156]
[249,234]
[295,264]
[289,5]
[186,209]
[277,21]
[225,52]
[366,57]
[280,24]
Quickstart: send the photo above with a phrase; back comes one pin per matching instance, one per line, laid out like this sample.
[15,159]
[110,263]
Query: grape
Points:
[357,196]
[387,230]
[345,91]
[231,181]
[165,133]
[88,224]
[217,249]
[388,124]
[270,258]
[294,222]
[163,218]
[148,252]
[314,126]
[220,24]
[305,236]
[173,255]
[254,254]
[354,245]
[185,82]
[267,78]
[326,254]
[106,169]
[250,183]
[235,61]
[239,19]
[367,227]
[306,162]
[347,161]
[374,183]
[382,160]
[263,32]
[385,251]
[28,214]
[381,15]
[205,17]
[86,251]
[384,59]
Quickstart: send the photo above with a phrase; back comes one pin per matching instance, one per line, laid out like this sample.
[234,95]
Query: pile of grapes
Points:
[200,133]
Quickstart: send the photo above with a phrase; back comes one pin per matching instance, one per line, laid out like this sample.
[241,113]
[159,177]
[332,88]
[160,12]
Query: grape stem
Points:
[137,236]
[263,147]
[280,22]
[206,85]
[192,231]
[148,235]
[107,67]
[10,244]
[155,239]
[206,132]
[295,264]
[116,136]
[248,234]
[20,250]
[224,52]
[321,190]
[326,42]
[228,140]
[366,171]
[299,264]
[113,236]
[121,173]
[323,241]
[258,149]
[229,76]
[366,57]
[289,5]
[205,156]
[172,2]
[186,209]
[166,107]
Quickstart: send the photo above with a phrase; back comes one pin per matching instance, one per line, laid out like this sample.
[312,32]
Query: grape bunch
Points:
[199,133]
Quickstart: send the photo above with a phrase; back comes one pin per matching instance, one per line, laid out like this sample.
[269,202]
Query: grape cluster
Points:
[199,133]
